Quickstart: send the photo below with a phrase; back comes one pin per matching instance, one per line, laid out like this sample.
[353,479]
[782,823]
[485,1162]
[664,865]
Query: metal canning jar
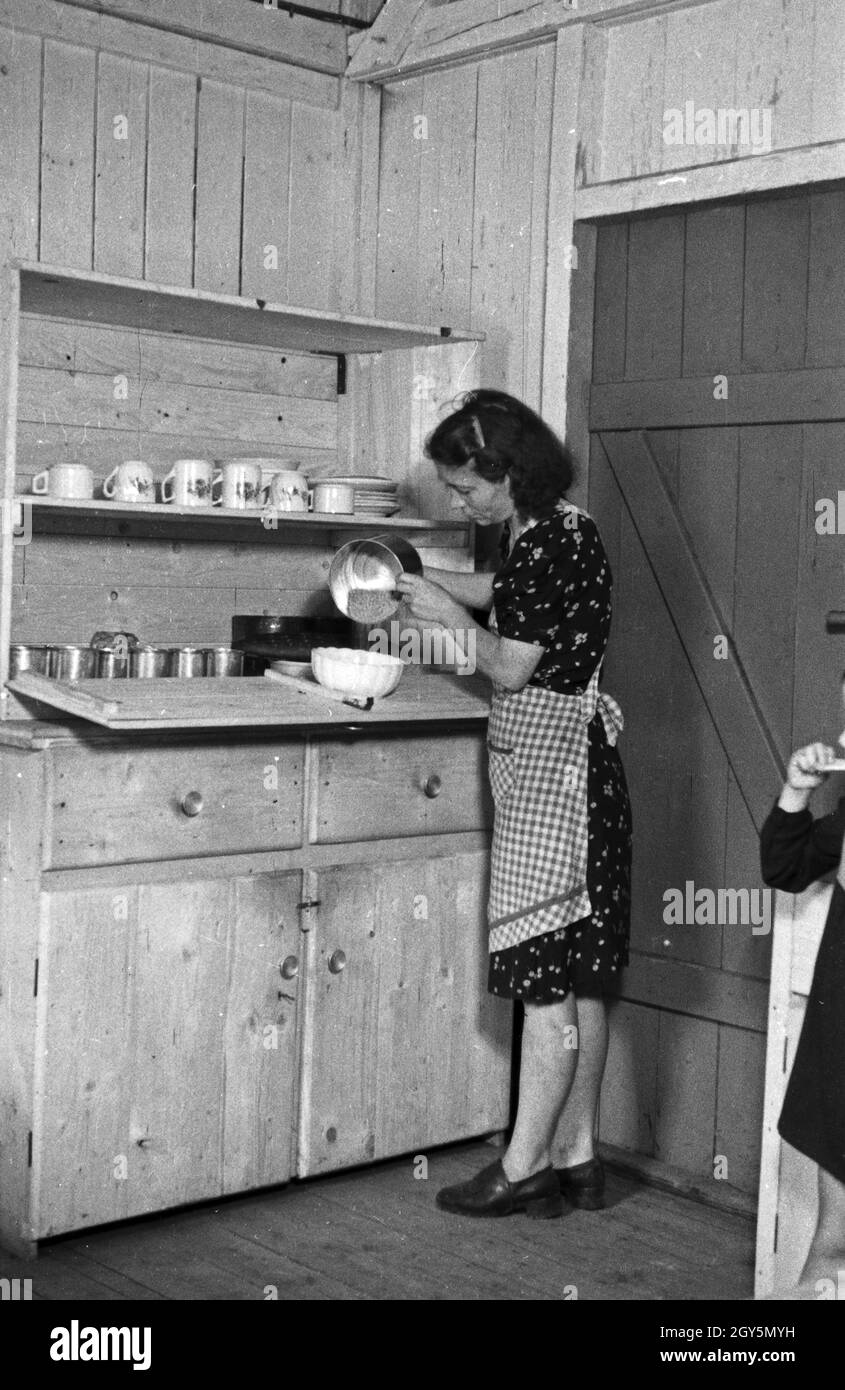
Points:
[146,662]
[23,657]
[224,661]
[71,662]
[187,661]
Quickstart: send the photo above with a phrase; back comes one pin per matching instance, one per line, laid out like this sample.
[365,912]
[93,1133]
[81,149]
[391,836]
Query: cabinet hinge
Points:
[35,979]
[775,1241]
[29,1149]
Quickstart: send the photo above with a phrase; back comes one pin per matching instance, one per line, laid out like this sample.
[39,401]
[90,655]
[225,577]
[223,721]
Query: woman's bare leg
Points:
[548,1067]
[575,1141]
[826,1258]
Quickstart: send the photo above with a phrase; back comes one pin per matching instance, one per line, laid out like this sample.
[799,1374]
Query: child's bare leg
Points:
[826,1258]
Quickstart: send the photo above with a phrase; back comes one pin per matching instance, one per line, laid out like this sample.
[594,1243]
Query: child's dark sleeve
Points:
[795,850]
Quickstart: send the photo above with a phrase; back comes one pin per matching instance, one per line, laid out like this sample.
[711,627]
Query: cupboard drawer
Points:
[122,806]
[386,786]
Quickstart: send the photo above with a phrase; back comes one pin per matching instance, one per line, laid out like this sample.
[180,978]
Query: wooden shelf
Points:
[66,512]
[87,295]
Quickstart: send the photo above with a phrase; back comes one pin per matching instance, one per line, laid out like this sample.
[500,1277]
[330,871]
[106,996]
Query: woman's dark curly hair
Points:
[503,438]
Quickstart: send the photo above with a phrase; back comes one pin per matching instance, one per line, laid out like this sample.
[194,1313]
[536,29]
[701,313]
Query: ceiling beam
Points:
[381,50]
[270,33]
[438,36]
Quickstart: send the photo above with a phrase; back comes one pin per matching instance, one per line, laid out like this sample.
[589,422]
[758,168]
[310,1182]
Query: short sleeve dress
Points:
[795,850]
[554,589]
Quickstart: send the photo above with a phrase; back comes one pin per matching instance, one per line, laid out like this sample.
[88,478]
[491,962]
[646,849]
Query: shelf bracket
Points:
[341,367]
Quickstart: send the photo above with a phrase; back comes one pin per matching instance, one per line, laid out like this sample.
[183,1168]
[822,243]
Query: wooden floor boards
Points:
[376,1234]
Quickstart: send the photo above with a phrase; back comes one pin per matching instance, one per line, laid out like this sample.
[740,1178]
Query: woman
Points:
[560,868]
[795,850]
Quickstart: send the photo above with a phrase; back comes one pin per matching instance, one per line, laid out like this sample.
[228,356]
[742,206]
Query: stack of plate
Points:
[374,495]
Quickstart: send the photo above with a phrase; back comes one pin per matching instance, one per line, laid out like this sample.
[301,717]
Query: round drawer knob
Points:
[290,967]
[432,786]
[337,962]
[192,803]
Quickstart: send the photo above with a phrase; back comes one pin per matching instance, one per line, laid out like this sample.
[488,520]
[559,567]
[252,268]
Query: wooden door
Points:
[166,1062]
[403,1047]
[717,427]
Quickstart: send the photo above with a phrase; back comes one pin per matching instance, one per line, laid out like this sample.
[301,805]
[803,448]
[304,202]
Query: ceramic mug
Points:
[289,491]
[189,483]
[132,481]
[64,480]
[334,497]
[241,485]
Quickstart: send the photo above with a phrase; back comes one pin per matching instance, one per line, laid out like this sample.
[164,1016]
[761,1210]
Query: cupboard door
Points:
[166,1062]
[404,1047]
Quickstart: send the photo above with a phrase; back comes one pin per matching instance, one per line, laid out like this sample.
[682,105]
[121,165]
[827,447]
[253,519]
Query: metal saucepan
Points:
[363,576]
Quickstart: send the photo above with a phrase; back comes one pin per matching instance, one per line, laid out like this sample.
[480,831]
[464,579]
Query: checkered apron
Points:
[538,751]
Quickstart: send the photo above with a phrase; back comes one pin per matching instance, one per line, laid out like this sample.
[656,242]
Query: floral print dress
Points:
[554,589]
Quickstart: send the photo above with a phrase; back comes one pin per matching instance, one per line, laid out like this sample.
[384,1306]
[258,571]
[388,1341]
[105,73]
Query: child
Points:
[795,850]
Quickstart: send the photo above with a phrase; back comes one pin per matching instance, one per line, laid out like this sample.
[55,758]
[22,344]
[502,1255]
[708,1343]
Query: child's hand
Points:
[807,766]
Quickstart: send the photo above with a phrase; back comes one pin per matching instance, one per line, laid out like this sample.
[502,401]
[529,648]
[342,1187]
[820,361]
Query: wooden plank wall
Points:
[783,57]
[463,196]
[467,180]
[104,394]
[238,173]
[466,226]
[100,394]
[776,57]
[462,206]
[140,152]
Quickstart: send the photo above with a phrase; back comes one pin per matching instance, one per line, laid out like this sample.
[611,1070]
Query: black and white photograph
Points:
[422,665]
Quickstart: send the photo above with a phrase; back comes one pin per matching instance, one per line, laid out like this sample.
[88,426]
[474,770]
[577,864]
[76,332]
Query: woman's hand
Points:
[430,602]
[807,766]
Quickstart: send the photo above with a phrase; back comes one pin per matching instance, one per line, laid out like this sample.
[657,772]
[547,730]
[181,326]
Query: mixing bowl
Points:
[352,672]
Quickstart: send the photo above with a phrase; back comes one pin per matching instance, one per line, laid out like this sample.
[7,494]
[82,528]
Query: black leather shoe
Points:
[583,1184]
[490,1194]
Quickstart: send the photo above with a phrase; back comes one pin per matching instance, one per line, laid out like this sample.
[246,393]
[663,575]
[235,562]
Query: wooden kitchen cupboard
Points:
[212,978]
[202,1003]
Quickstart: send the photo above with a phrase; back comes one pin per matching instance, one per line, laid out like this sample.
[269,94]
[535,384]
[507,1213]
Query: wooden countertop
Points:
[423,696]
